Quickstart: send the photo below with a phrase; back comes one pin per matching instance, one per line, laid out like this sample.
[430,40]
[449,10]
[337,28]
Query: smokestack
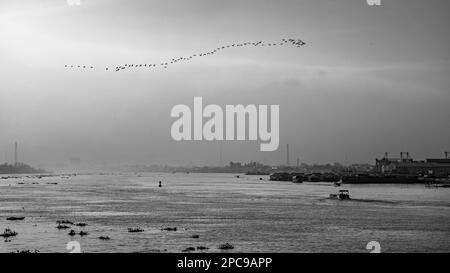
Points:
[287,154]
[15,153]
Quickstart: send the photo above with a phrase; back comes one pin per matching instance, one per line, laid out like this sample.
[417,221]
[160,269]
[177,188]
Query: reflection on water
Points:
[254,215]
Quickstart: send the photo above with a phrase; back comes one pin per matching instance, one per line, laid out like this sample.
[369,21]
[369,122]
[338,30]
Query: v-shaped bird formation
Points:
[172,61]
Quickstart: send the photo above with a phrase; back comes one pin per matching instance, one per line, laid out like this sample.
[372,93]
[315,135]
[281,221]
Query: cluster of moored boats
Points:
[297,177]
[359,178]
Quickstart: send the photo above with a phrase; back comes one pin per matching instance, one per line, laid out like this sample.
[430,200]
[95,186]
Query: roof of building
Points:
[423,165]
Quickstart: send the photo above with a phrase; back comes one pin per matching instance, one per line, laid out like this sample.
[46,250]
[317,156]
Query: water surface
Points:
[253,215]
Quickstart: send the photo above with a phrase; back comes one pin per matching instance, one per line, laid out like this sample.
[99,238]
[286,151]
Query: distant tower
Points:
[287,154]
[298,162]
[15,153]
[402,157]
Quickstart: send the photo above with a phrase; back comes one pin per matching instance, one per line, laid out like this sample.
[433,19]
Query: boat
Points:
[431,180]
[369,178]
[330,177]
[314,177]
[257,173]
[298,177]
[280,176]
[341,195]
[15,218]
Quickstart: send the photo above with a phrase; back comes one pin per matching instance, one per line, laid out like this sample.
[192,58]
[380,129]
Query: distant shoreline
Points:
[19,168]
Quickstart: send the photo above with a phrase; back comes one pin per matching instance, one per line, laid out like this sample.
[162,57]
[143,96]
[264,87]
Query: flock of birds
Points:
[166,64]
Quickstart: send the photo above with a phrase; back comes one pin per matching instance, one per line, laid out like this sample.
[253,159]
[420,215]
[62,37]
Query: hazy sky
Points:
[369,80]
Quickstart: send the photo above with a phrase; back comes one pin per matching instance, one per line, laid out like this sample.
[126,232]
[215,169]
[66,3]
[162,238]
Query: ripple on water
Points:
[110,213]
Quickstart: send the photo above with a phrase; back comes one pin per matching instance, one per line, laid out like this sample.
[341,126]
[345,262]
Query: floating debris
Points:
[169,229]
[72,232]
[25,251]
[8,233]
[135,230]
[83,233]
[62,227]
[195,236]
[226,246]
[10,177]
[14,218]
[202,248]
[104,238]
[81,224]
[187,249]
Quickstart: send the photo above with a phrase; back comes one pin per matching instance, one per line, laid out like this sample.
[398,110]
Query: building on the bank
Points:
[439,167]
